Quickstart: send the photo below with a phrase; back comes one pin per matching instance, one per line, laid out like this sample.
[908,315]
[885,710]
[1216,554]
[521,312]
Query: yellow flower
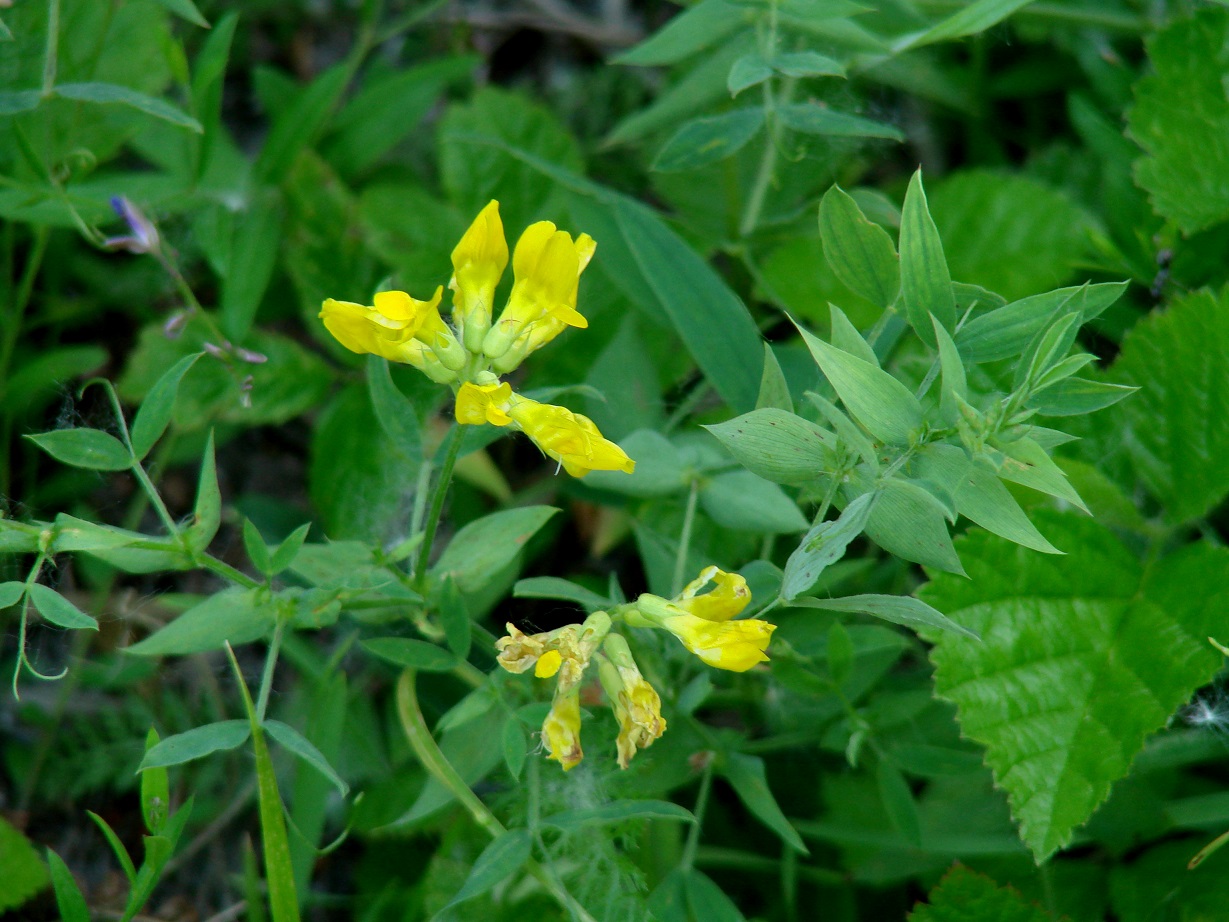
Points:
[483,403]
[478,262]
[732,645]
[636,704]
[519,651]
[569,438]
[728,597]
[393,328]
[547,264]
[548,664]
[565,651]
[561,729]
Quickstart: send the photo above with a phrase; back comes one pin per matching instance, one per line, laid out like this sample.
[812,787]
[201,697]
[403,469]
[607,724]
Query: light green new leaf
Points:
[953,382]
[823,546]
[706,140]
[126,96]
[777,445]
[483,548]
[505,854]
[859,251]
[88,448]
[965,896]
[234,615]
[1186,165]
[925,283]
[1082,658]
[884,406]
[155,413]
[58,610]
[196,743]
[293,740]
[1027,463]
[812,118]
[1178,425]
[845,336]
[899,609]
[746,775]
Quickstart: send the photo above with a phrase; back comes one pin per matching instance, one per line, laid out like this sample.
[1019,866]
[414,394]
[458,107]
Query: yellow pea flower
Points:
[569,438]
[547,264]
[478,262]
[483,403]
[565,651]
[561,729]
[518,651]
[636,704]
[728,597]
[732,645]
[393,327]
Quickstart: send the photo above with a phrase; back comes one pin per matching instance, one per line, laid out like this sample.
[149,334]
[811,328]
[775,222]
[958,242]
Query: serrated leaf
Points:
[706,140]
[505,854]
[197,743]
[58,610]
[777,445]
[1177,424]
[823,546]
[411,654]
[112,93]
[1186,165]
[293,740]
[884,406]
[925,283]
[24,873]
[746,775]
[967,896]
[483,548]
[813,118]
[87,448]
[155,412]
[860,252]
[1081,658]
[234,615]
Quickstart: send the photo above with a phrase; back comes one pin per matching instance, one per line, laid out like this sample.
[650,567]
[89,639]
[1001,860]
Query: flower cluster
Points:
[470,353]
[702,621]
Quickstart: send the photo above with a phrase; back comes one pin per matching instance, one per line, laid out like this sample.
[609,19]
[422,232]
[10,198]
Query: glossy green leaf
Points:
[746,775]
[58,610]
[196,744]
[925,283]
[860,252]
[88,448]
[111,93]
[812,118]
[483,548]
[410,653]
[155,413]
[293,740]
[777,445]
[708,139]
[884,406]
[234,615]
[823,546]
[1082,657]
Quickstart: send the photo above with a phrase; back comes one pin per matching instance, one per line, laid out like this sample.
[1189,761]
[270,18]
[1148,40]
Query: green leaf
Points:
[807,64]
[812,118]
[860,252]
[107,93]
[234,615]
[552,587]
[155,791]
[253,255]
[925,283]
[774,389]
[293,740]
[88,448]
[660,468]
[899,609]
[11,593]
[1027,463]
[748,71]
[823,546]
[1179,431]
[777,445]
[706,140]
[295,128]
[207,513]
[909,522]
[954,383]
[68,898]
[14,102]
[484,547]
[155,413]
[197,743]
[619,811]
[696,28]
[1078,397]
[1185,167]
[41,376]
[515,747]
[976,17]
[898,802]
[1082,657]
[186,9]
[884,406]
[288,550]
[24,873]
[967,896]
[397,415]
[412,654]
[254,544]
[58,610]
[845,336]
[746,775]
[708,901]
[506,853]
[744,501]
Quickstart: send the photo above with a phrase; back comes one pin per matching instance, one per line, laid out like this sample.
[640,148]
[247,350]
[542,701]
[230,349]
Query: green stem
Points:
[151,491]
[21,300]
[768,164]
[693,835]
[437,506]
[51,47]
[680,558]
[266,678]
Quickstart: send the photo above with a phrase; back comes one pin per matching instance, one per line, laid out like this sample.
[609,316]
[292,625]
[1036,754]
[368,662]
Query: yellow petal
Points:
[548,664]
[483,403]
[732,645]
[569,438]
[478,261]
[561,730]
[728,597]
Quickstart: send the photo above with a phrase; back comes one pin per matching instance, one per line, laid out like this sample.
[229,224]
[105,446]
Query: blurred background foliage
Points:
[293,151]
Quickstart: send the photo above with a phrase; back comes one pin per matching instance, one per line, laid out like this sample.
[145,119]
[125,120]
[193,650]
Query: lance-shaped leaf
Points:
[706,140]
[823,546]
[899,609]
[860,252]
[1082,657]
[925,283]
[777,445]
